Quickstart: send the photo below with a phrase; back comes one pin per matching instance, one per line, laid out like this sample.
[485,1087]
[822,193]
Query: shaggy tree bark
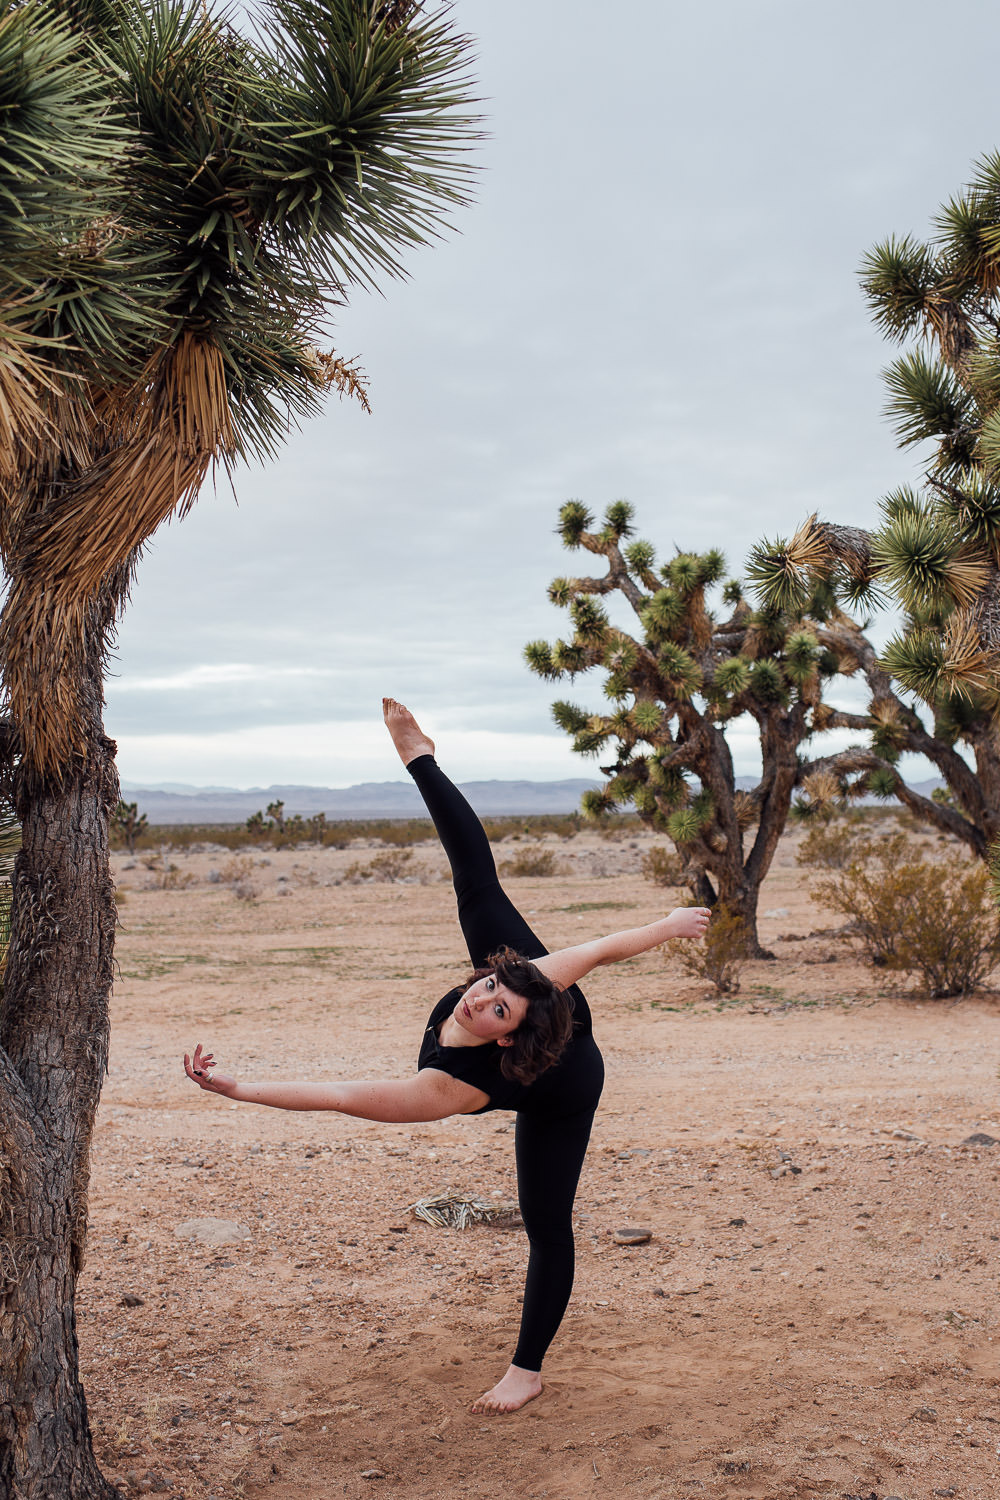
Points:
[54,1032]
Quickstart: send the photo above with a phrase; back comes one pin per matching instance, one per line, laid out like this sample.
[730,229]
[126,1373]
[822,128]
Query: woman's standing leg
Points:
[550,1156]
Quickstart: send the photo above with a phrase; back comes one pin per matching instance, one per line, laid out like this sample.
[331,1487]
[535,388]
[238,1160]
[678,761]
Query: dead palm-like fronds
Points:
[455,1210]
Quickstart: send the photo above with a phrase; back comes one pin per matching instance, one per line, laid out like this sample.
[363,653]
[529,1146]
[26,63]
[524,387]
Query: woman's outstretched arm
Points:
[431,1095]
[570,965]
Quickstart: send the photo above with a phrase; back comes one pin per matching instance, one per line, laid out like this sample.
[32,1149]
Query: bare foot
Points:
[407,735]
[516,1389]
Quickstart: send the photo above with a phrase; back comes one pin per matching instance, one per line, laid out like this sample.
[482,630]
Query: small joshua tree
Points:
[674,687]
[128,824]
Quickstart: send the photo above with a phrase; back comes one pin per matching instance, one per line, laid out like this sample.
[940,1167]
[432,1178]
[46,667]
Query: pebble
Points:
[980,1138]
[130,1299]
[372,1474]
[212,1231]
[924,1414]
[629,1235]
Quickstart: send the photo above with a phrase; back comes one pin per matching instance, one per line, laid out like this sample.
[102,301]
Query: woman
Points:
[516,1036]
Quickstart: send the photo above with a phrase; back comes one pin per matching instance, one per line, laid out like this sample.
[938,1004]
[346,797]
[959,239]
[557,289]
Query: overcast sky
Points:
[654,296]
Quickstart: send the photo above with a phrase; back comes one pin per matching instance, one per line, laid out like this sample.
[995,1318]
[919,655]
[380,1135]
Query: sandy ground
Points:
[824,1332]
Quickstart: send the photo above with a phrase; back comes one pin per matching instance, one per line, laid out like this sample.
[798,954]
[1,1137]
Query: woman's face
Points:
[490,1011]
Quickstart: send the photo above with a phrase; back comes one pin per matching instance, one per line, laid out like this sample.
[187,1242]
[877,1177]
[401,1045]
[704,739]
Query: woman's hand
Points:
[689,922]
[200,1070]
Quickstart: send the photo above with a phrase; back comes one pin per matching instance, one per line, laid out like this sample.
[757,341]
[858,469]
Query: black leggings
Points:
[549,1145]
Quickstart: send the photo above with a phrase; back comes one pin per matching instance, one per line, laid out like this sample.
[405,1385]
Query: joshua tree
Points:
[128,823]
[179,204]
[936,551]
[676,684]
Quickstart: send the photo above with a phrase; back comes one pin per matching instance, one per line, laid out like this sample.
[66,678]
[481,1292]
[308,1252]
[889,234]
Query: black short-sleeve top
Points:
[573,1084]
[478,1066]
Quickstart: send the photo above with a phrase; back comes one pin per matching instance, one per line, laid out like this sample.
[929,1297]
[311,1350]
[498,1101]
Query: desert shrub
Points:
[721,954]
[237,874]
[166,876]
[916,916]
[833,844]
[531,862]
[388,865]
[662,866]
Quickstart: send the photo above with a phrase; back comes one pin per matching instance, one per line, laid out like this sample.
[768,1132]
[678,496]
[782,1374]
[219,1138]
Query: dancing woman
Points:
[517,1035]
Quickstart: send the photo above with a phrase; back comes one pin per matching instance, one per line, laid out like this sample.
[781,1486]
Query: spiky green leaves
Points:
[680,670]
[538,655]
[767,683]
[732,676]
[801,656]
[925,561]
[778,576]
[663,613]
[590,619]
[570,718]
[595,802]
[882,782]
[618,520]
[647,718]
[689,823]
[640,557]
[69,286]
[592,737]
[574,520]
[897,278]
[916,660]
[692,570]
[926,401]
[61,142]
[973,508]
[561,591]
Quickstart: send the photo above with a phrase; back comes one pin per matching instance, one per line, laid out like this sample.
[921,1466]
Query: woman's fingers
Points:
[197,1067]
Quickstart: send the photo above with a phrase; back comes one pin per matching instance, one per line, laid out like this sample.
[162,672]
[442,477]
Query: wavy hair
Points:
[544,1034]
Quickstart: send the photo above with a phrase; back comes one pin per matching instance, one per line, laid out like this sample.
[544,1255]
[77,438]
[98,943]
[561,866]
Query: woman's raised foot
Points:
[516,1389]
[407,735]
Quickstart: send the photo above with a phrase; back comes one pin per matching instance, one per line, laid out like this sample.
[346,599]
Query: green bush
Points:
[721,954]
[662,866]
[916,916]
[389,865]
[531,862]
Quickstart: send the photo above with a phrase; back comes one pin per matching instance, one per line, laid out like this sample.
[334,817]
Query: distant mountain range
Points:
[174,802]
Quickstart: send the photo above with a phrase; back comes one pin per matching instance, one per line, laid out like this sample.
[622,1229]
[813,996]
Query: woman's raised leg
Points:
[488,917]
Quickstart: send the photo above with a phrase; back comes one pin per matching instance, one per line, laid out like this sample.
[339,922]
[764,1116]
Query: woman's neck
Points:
[450,1034]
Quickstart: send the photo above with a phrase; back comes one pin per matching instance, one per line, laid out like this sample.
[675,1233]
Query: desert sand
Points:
[814,1314]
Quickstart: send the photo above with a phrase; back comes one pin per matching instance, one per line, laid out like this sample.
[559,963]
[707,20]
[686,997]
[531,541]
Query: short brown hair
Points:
[544,1034]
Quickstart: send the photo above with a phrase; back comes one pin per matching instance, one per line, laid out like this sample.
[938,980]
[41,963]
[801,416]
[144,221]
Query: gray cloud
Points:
[655,296]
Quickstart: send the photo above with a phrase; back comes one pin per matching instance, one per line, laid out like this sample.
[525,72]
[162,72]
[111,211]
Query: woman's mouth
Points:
[466,1009]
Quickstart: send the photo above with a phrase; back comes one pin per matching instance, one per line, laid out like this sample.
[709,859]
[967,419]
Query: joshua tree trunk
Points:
[720,873]
[54,1031]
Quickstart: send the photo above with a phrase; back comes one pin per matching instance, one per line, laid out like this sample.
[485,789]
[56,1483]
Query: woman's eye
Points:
[498,1011]
[490,986]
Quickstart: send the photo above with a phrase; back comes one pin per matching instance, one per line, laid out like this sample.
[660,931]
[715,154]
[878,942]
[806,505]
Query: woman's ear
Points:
[505,1041]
